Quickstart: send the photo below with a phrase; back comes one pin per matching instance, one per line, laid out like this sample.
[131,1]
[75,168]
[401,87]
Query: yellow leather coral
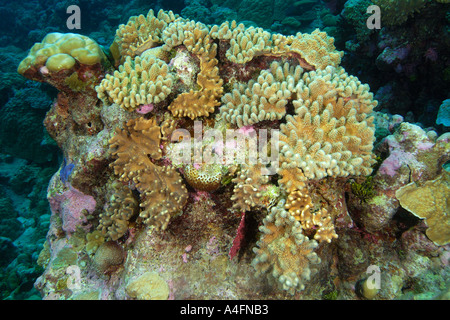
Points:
[144,80]
[330,134]
[201,102]
[60,51]
[249,183]
[430,201]
[313,51]
[162,192]
[299,204]
[318,224]
[148,286]
[140,34]
[284,251]
[122,206]
[245,43]
[291,177]
[317,49]
[193,35]
[262,99]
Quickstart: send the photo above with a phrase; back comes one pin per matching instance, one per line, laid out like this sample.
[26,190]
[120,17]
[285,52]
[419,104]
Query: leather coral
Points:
[162,192]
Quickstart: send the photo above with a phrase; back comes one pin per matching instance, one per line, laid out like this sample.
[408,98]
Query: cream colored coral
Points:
[430,201]
[319,223]
[248,43]
[330,135]
[281,43]
[322,225]
[157,52]
[247,192]
[291,177]
[94,240]
[284,252]
[226,30]
[262,99]
[193,35]
[168,125]
[162,192]
[299,204]
[317,48]
[201,102]
[148,286]
[140,34]
[313,51]
[163,195]
[60,51]
[138,82]
[122,206]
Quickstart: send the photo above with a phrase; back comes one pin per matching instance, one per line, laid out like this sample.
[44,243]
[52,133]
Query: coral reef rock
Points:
[131,221]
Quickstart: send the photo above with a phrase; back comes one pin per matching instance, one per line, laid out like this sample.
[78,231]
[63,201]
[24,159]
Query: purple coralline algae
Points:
[72,206]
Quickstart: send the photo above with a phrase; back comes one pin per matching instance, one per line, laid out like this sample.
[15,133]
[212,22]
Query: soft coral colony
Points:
[127,213]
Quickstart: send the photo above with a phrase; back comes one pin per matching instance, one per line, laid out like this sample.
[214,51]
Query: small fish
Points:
[66,170]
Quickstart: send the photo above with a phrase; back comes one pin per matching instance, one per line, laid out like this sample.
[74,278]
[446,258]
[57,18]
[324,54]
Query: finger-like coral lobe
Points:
[122,206]
[284,251]
[262,99]
[330,133]
[201,102]
[141,81]
[161,189]
[140,34]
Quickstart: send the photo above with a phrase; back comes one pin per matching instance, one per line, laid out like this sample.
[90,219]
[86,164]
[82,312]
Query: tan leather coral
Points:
[162,191]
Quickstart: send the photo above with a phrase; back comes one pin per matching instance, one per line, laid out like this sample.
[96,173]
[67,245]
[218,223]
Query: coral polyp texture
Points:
[284,252]
[162,191]
[312,51]
[138,82]
[203,100]
[245,43]
[249,186]
[319,223]
[122,206]
[331,133]
[262,99]
[134,222]
[140,34]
